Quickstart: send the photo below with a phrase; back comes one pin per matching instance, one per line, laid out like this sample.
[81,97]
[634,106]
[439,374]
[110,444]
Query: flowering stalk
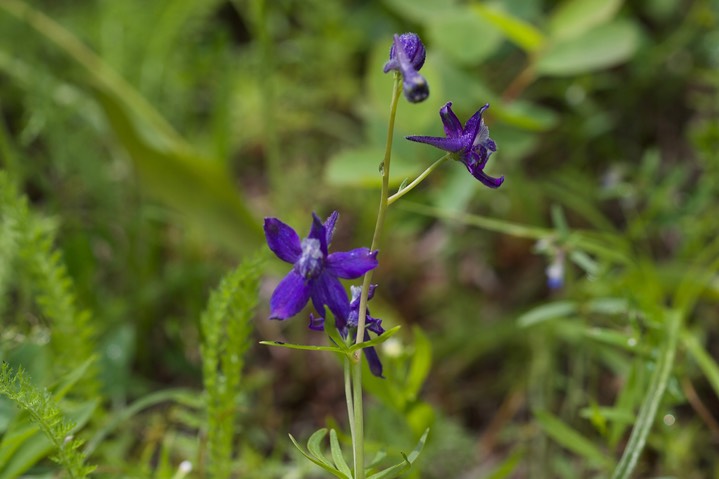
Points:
[356,371]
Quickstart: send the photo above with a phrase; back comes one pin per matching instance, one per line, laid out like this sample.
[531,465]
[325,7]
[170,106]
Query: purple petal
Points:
[414,86]
[351,264]
[375,365]
[485,179]
[452,145]
[319,233]
[327,290]
[317,323]
[471,128]
[330,226]
[374,325]
[282,240]
[289,297]
[479,157]
[452,125]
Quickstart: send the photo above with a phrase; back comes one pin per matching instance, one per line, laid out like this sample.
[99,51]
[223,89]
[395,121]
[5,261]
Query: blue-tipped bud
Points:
[407,55]
[412,49]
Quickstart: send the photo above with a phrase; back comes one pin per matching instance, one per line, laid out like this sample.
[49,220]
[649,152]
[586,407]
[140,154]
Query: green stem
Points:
[358,436]
[417,180]
[348,395]
[654,395]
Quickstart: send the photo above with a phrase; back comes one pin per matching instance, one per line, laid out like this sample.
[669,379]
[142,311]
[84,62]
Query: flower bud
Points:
[413,50]
[407,55]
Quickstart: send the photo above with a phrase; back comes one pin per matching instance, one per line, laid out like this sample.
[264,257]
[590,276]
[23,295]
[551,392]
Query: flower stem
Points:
[356,370]
[417,180]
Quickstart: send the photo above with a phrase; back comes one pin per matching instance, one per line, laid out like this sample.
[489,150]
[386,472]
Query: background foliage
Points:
[142,143]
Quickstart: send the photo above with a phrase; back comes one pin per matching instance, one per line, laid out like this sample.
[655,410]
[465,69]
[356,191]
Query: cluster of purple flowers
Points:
[315,276]
[316,273]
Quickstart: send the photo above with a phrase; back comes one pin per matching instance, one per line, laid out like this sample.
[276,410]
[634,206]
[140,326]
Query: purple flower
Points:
[371,324]
[470,144]
[316,273]
[406,55]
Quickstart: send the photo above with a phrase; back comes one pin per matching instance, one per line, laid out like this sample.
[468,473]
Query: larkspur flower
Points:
[470,144]
[315,273]
[407,55]
[371,324]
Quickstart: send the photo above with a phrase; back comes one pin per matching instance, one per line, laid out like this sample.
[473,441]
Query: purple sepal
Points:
[375,365]
[352,264]
[328,290]
[282,240]
[289,297]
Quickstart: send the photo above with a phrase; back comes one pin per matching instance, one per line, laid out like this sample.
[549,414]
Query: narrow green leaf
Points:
[706,363]
[652,397]
[523,34]
[402,467]
[314,445]
[575,17]
[571,439]
[304,347]
[507,467]
[602,47]
[334,334]
[324,465]
[546,312]
[420,365]
[337,455]
[376,340]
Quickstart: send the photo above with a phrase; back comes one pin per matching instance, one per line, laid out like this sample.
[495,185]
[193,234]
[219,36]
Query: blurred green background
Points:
[150,138]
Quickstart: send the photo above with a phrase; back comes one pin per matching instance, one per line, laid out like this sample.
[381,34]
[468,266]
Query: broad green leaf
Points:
[360,168]
[337,455]
[21,435]
[35,447]
[201,190]
[526,115]
[602,47]
[574,17]
[376,340]
[419,10]
[304,347]
[523,34]
[571,439]
[398,469]
[463,35]
[324,465]
[198,188]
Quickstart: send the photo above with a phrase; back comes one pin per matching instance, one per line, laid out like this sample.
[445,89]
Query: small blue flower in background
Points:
[316,273]
[555,272]
[470,144]
[406,55]
[317,323]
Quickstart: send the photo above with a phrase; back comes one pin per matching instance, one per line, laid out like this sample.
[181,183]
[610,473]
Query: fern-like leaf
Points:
[226,329]
[44,411]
